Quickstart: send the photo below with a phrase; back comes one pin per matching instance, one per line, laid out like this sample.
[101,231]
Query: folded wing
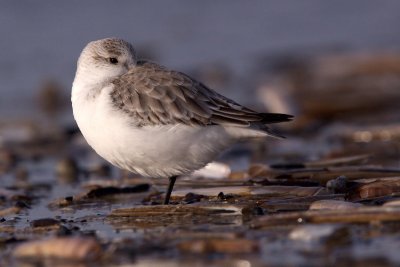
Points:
[153,95]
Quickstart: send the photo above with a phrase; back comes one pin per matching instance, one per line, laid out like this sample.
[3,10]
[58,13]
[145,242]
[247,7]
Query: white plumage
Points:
[152,121]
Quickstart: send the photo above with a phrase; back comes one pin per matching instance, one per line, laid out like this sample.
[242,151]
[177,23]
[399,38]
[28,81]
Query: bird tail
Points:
[269,118]
[261,128]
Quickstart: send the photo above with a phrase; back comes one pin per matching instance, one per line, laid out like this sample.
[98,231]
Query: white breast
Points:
[156,151]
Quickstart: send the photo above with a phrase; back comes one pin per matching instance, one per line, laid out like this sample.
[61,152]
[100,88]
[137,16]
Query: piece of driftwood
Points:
[359,215]
[94,193]
[180,215]
[330,162]
[325,174]
[296,203]
[252,190]
[181,210]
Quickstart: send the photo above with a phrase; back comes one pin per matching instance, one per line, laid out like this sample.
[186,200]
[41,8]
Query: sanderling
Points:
[156,122]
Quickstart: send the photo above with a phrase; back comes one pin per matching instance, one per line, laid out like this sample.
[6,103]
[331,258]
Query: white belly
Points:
[156,151]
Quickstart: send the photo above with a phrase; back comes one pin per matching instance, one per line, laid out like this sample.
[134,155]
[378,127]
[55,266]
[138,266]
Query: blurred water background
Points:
[41,40]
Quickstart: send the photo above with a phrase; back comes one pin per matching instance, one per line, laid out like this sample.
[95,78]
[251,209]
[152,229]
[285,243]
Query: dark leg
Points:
[172,180]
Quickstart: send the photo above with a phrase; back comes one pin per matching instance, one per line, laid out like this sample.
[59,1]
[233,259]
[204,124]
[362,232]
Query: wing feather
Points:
[153,95]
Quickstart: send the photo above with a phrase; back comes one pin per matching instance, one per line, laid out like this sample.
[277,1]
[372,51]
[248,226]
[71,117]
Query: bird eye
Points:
[113,60]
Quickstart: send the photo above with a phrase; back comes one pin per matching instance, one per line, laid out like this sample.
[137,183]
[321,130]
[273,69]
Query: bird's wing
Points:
[153,95]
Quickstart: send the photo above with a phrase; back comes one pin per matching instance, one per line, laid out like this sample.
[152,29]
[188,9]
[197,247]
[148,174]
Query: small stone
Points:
[192,198]
[337,185]
[222,196]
